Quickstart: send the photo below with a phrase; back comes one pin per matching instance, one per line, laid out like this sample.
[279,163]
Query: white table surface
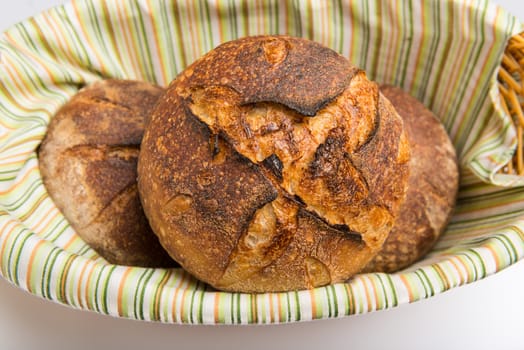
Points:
[488,314]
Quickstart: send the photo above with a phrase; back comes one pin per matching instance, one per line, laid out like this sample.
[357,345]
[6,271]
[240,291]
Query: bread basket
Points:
[46,59]
[511,88]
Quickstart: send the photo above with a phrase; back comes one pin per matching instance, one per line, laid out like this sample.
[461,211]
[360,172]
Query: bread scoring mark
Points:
[342,229]
[210,103]
[301,75]
[251,252]
[123,151]
[262,227]
[317,272]
[109,112]
[105,170]
[124,191]
[376,124]
[213,145]
[314,149]
[285,142]
[274,164]
[333,167]
[275,50]
[107,102]
[271,229]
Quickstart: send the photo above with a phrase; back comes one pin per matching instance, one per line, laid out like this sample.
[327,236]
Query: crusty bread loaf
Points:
[272,164]
[432,186]
[88,164]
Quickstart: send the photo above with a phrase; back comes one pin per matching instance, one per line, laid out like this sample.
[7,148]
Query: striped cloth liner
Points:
[445,53]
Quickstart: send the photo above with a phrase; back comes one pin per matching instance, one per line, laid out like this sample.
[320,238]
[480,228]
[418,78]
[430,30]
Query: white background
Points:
[488,314]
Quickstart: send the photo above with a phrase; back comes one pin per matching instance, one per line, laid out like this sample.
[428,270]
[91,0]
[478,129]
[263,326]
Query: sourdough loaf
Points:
[273,164]
[432,186]
[88,164]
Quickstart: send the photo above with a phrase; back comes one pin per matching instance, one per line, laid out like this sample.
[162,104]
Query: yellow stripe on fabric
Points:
[460,23]
[387,61]
[95,55]
[26,64]
[52,24]
[463,127]
[123,34]
[156,310]
[162,48]
[25,95]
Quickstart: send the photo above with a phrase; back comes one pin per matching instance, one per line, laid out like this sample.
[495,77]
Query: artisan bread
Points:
[432,186]
[88,165]
[273,164]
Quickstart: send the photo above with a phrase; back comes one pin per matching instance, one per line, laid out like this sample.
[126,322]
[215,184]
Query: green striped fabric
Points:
[445,53]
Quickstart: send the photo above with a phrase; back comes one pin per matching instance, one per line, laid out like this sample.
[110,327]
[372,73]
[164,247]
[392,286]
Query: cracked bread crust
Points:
[272,164]
[432,186]
[88,164]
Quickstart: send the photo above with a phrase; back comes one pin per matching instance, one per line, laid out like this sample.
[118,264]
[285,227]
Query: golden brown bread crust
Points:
[88,163]
[261,73]
[432,186]
[272,164]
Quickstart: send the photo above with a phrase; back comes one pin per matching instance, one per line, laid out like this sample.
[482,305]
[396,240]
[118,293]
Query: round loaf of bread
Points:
[272,164]
[432,186]
[88,164]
